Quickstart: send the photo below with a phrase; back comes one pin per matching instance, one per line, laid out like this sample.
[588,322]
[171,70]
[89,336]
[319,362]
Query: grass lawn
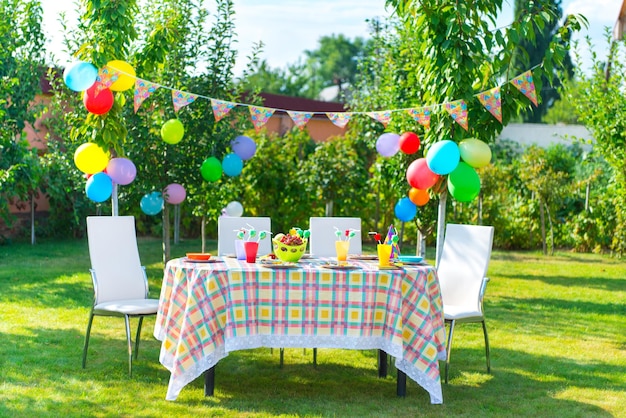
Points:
[557,331]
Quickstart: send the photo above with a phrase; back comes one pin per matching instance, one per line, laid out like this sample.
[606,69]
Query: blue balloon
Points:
[244,147]
[443,157]
[232,165]
[405,210]
[152,203]
[99,187]
[80,75]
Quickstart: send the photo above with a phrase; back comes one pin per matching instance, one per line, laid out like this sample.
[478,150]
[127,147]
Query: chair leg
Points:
[130,345]
[486,346]
[448,348]
[138,337]
[87,334]
[282,356]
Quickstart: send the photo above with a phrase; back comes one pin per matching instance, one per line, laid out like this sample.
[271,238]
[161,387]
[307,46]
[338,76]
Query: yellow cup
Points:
[384,254]
[342,250]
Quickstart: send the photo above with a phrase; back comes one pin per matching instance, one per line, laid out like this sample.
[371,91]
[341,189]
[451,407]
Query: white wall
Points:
[545,135]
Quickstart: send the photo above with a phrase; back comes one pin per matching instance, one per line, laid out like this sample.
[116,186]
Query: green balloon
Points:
[211,169]
[172,131]
[464,183]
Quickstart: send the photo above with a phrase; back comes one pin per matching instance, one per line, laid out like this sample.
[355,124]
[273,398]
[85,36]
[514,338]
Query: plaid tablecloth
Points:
[209,310]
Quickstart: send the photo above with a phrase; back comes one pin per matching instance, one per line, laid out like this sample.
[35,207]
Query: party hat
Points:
[392,239]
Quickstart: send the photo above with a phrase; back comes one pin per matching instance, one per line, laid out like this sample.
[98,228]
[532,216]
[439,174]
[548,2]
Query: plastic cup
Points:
[251,249]
[240,249]
[384,254]
[342,250]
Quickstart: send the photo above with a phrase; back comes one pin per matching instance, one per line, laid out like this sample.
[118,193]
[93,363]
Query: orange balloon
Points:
[419,197]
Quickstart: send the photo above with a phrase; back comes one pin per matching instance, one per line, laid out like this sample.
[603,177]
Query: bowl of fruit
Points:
[289,248]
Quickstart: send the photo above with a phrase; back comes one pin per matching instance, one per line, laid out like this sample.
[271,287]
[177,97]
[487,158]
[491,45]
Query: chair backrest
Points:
[322,241]
[115,259]
[228,226]
[463,264]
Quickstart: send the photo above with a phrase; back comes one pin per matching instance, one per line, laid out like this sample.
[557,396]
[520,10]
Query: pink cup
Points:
[251,249]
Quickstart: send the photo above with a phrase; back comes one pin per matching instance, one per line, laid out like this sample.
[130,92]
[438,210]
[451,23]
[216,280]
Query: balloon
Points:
[244,147]
[121,170]
[405,210]
[174,193]
[419,197]
[80,75]
[419,175]
[409,143]
[464,183]
[234,208]
[172,131]
[99,187]
[151,203]
[387,144]
[100,104]
[126,79]
[232,165]
[90,158]
[475,152]
[443,157]
[211,169]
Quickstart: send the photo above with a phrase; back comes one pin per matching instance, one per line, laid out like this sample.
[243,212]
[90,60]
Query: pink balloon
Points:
[121,170]
[420,176]
[174,193]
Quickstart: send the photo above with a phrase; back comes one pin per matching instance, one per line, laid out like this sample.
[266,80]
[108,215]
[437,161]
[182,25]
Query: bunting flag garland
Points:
[383,117]
[143,90]
[339,119]
[300,118]
[182,99]
[492,102]
[458,111]
[525,84]
[106,76]
[260,116]
[422,116]
[221,108]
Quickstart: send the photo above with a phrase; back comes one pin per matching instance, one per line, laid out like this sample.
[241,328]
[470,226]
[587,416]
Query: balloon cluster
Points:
[243,148]
[152,203]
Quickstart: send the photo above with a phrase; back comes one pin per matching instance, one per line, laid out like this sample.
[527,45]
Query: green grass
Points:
[557,331]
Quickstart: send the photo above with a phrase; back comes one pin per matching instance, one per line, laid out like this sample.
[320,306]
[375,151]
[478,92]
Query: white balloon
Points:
[234,208]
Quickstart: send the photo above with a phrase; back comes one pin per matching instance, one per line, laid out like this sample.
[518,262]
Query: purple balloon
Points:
[244,147]
[174,193]
[121,170]
[388,144]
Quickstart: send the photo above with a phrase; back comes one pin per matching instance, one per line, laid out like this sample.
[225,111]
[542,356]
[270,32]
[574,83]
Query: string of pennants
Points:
[259,115]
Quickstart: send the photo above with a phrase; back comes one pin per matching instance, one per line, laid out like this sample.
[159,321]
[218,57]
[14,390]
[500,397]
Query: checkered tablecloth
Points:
[208,310]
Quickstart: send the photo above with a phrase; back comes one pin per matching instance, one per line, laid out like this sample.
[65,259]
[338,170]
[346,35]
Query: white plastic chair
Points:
[322,241]
[462,270]
[227,227]
[119,280]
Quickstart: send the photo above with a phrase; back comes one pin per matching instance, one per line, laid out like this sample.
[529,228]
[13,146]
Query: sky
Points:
[289,27]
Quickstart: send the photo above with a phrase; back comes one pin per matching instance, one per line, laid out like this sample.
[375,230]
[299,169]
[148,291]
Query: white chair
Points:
[322,241]
[119,280]
[462,270]
[227,227]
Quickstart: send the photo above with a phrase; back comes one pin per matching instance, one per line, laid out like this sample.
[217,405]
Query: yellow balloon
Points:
[90,158]
[126,79]
[475,152]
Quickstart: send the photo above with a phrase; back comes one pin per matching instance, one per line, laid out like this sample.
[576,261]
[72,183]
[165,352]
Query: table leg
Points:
[401,386]
[382,363]
[209,381]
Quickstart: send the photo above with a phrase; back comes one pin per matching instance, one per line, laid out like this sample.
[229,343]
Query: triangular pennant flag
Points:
[383,117]
[526,85]
[395,248]
[421,115]
[221,108]
[339,119]
[106,76]
[492,102]
[300,118]
[182,98]
[143,90]
[458,111]
[260,116]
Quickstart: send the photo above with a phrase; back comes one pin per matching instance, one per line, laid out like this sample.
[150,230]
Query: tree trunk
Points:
[441,223]
[542,219]
[176,224]
[480,209]
[32,219]
[329,208]
[551,231]
[114,204]
[166,234]
[421,244]
[202,229]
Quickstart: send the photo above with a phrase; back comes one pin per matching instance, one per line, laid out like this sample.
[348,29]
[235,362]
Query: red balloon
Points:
[409,143]
[99,104]
[419,175]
